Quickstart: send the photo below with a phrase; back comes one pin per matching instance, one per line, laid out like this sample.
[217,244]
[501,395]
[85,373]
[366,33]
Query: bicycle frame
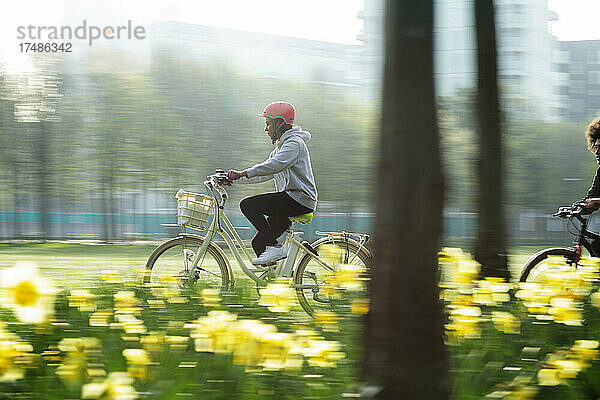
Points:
[584,233]
[282,269]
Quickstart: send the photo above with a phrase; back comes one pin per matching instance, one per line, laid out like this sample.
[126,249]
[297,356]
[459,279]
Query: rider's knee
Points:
[245,205]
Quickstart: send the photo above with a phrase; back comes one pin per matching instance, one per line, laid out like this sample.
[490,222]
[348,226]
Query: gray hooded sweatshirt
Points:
[289,165]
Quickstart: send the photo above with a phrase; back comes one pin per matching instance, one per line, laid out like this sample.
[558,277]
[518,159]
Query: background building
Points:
[261,54]
[580,61]
[530,83]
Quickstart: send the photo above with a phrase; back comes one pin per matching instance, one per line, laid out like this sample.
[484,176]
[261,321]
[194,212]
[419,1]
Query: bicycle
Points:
[191,258]
[537,263]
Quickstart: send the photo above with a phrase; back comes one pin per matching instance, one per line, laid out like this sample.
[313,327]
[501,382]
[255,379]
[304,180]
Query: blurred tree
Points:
[405,353]
[9,158]
[35,97]
[459,150]
[490,244]
[170,128]
[547,165]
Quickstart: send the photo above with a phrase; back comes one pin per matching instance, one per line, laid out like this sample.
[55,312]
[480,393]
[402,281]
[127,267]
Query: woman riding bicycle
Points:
[592,198]
[538,263]
[296,193]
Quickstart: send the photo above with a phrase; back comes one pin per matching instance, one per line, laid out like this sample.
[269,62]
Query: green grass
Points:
[76,264]
[206,375]
[79,264]
[72,264]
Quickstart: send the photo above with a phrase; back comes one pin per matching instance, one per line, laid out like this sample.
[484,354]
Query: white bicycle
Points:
[193,258]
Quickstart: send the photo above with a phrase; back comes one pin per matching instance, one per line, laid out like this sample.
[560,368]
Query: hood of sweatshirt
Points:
[295,131]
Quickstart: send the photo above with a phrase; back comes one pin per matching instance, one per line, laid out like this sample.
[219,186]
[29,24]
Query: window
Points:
[593,77]
[593,56]
[562,57]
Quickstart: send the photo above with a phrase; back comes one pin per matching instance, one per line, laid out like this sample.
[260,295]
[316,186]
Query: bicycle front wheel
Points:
[172,260]
[313,281]
[539,263]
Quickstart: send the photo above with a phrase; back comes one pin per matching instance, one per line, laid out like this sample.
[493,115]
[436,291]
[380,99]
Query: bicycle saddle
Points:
[303,219]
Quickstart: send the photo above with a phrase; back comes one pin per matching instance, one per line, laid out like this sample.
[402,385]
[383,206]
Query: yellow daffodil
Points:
[80,353]
[214,333]
[153,342]
[566,311]
[177,343]
[15,355]
[248,349]
[595,299]
[347,277]
[327,320]
[505,322]
[277,297]
[82,299]
[548,377]
[100,318]
[460,267]
[323,353]
[137,361]
[567,368]
[563,365]
[535,297]
[30,296]
[586,350]
[117,386]
[360,306]
[125,301]
[260,346]
[279,352]
[522,393]
[491,291]
[464,322]
[109,275]
[130,323]
[210,297]
[304,336]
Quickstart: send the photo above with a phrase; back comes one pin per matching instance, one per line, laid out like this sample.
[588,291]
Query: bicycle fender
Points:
[535,256]
[341,238]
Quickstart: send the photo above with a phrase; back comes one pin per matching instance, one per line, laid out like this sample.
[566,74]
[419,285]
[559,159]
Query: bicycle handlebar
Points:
[574,210]
[219,178]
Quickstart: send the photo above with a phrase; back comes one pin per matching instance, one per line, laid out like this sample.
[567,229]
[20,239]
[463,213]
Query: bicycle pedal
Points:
[309,248]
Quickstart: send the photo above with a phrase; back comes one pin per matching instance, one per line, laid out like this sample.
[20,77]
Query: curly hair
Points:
[592,133]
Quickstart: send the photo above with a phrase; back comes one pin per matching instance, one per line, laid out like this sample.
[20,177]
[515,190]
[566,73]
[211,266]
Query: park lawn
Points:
[75,265]
[477,357]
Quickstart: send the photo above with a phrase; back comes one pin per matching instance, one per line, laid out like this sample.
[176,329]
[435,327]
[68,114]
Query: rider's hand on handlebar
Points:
[563,212]
[592,204]
[233,174]
[578,208]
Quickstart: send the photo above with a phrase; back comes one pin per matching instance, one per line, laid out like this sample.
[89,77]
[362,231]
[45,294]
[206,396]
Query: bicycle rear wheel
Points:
[171,261]
[539,263]
[312,279]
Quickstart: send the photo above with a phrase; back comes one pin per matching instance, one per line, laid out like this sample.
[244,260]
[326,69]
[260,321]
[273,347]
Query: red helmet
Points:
[280,109]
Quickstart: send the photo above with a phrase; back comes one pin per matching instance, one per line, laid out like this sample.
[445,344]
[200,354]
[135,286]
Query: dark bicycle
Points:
[583,239]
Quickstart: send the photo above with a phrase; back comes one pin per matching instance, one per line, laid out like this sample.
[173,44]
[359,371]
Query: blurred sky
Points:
[327,20]
[577,19]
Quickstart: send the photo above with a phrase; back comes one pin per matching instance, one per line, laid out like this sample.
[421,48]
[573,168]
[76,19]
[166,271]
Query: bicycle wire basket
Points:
[193,209]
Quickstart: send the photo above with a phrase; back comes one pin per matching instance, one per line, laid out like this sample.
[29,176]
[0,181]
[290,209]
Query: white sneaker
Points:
[270,255]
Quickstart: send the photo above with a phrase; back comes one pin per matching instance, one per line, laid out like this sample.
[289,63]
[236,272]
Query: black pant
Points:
[277,206]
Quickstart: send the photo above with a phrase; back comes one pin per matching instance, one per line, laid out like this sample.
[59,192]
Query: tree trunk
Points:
[490,246]
[405,353]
